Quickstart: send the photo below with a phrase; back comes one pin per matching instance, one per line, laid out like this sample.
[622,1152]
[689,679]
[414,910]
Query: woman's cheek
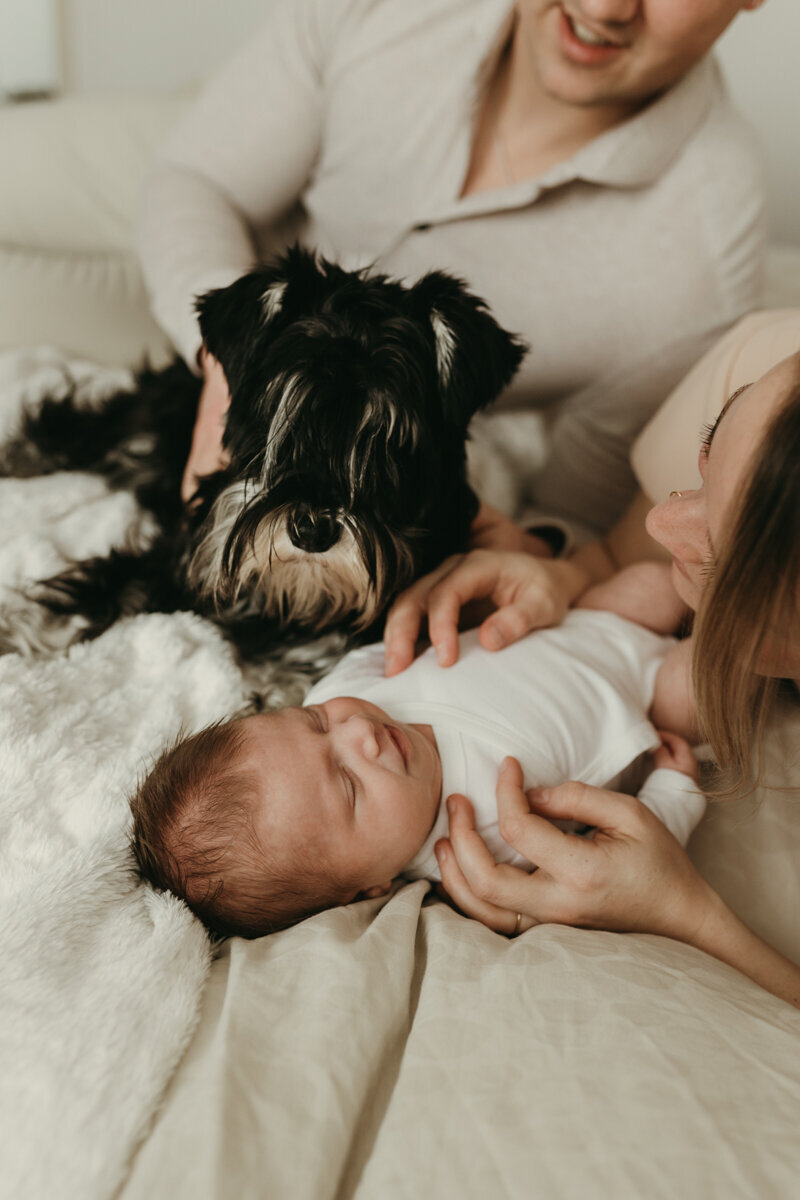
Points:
[688,589]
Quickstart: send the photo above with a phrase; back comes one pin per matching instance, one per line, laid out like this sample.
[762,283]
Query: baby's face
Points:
[344,786]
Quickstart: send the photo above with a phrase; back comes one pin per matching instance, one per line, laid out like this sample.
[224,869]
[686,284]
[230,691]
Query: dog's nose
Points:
[313,532]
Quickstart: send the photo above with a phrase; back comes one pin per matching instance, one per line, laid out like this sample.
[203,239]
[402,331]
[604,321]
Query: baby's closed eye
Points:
[350,785]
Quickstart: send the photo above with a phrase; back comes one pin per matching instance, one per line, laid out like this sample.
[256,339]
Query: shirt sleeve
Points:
[676,800]
[588,480]
[239,159]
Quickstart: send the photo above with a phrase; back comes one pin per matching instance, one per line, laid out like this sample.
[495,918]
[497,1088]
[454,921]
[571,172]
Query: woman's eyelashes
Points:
[707,436]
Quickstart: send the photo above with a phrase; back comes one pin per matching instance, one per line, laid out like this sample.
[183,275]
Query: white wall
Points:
[113,45]
[759,55]
[130,45]
[29,47]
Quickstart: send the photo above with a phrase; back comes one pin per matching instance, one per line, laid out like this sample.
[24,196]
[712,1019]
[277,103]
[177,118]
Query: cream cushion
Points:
[73,172]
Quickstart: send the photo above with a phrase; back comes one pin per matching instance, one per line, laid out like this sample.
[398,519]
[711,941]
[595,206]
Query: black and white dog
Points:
[350,400]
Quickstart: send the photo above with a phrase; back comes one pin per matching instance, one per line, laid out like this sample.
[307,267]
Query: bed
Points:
[391,1048]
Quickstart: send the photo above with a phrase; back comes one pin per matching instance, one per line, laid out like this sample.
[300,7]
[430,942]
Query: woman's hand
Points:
[527,593]
[206,454]
[632,875]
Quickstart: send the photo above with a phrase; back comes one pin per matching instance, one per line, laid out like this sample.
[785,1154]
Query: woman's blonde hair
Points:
[753,595]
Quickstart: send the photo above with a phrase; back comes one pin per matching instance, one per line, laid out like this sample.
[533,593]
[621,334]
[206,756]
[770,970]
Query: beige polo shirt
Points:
[349,124]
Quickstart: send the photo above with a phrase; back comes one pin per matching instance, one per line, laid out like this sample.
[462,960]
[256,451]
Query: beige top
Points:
[349,124]
[665,455]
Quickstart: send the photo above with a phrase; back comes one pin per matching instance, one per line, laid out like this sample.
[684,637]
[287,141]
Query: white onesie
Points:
[569,702]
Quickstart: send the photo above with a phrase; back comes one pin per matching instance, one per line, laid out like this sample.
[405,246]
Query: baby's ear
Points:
[372,893]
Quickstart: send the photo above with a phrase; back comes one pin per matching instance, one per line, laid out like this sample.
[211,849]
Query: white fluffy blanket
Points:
[101,978]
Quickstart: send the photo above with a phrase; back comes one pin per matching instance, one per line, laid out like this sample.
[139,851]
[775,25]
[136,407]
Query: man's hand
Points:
[527,593]
[206,454]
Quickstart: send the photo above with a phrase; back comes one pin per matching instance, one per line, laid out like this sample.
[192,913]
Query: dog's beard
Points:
[256,569]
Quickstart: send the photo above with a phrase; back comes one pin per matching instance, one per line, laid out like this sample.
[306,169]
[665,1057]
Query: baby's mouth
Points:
[400,742]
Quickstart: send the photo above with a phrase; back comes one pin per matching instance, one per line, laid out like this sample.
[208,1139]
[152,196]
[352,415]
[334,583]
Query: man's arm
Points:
[587,478]
[237,161]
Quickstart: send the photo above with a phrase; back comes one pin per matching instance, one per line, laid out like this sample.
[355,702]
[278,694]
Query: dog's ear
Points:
[238,320]
[234,319]
[475,357]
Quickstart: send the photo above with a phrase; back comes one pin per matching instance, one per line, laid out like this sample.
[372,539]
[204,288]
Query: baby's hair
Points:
[193,835]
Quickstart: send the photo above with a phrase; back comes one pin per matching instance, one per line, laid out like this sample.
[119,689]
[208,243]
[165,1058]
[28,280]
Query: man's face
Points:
[595,52]
[345,788]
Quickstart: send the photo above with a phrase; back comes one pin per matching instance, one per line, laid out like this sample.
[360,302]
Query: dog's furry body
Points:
[350,400]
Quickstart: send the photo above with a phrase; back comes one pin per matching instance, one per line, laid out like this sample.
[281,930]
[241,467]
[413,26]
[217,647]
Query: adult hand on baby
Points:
[631,876]
[527,593]
[206,454]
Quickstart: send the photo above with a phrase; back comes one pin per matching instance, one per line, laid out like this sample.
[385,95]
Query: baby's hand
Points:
[675,753]
[642,592]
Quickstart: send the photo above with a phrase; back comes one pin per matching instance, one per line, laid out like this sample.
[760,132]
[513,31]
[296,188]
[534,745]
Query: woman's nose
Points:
[678,524]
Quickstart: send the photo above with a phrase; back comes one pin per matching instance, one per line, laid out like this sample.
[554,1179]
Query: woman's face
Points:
[692,525]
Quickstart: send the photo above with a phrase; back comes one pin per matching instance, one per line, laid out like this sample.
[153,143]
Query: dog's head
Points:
[350,400]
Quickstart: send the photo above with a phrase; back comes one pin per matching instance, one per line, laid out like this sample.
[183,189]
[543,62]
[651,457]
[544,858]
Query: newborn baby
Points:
[264,820]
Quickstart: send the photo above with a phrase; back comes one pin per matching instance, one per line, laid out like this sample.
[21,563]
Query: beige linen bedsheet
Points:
[398,1050]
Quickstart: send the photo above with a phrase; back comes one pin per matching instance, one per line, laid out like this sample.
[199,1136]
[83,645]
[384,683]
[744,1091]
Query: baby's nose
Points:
[362,731]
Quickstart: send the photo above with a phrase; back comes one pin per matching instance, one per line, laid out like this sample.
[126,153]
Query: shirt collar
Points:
[633,154]
[639,150]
